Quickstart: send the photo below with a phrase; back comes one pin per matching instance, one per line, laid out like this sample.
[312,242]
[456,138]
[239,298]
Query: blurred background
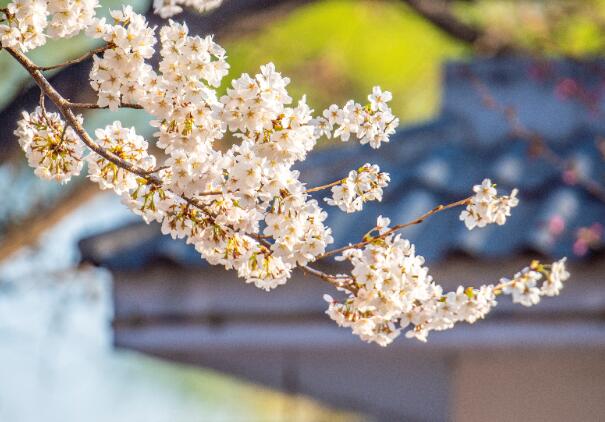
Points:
[104,319]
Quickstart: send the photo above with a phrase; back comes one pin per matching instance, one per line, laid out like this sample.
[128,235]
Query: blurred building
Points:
[541,363]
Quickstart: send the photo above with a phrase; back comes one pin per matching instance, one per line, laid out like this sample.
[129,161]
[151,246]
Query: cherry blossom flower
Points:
[125,144]
[362,185]
[390,290]
[121,72]
[168,8]
[372,124]
[29,23]
[26,22]
[523,287]
[52,148]
[486,207]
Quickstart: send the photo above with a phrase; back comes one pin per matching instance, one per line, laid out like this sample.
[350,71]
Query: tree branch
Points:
[64,108]
[76,60]
[398,227]
[326,186]
[440,15]
[93,106]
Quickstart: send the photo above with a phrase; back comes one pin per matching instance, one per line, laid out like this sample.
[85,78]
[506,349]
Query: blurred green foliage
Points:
[336,50]
[543,27]
[219,397]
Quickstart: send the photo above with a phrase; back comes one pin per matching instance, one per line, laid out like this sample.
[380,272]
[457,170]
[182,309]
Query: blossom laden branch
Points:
[63,106]
[372,123]
[487,207]
[244,208]
[394,292]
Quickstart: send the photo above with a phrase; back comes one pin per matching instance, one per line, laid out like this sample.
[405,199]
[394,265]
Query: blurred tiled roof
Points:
[439,161]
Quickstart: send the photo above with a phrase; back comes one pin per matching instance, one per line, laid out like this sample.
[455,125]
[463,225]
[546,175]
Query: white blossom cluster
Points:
[168,8]
[388,279]
[51,148]
[26,24]
[372,123]
[524,287]
[125,144]
[362,185]
[218,201]
[487,207]
[390,290]
[121,74]
[245,207]
[69,17]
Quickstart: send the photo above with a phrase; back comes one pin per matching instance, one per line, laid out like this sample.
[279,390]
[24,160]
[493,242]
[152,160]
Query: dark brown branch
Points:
[439,14]
[63,106]
[93,106]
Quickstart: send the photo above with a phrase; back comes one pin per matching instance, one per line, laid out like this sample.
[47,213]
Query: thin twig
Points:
[48,122]
[398,227]
[157,169]
[327,186]
[65,126]
[43,110]
[93,106]
[76,60]
[338,281]
[315,189]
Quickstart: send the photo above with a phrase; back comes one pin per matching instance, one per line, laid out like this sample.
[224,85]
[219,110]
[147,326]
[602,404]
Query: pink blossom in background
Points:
[556,225]
[588,238]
